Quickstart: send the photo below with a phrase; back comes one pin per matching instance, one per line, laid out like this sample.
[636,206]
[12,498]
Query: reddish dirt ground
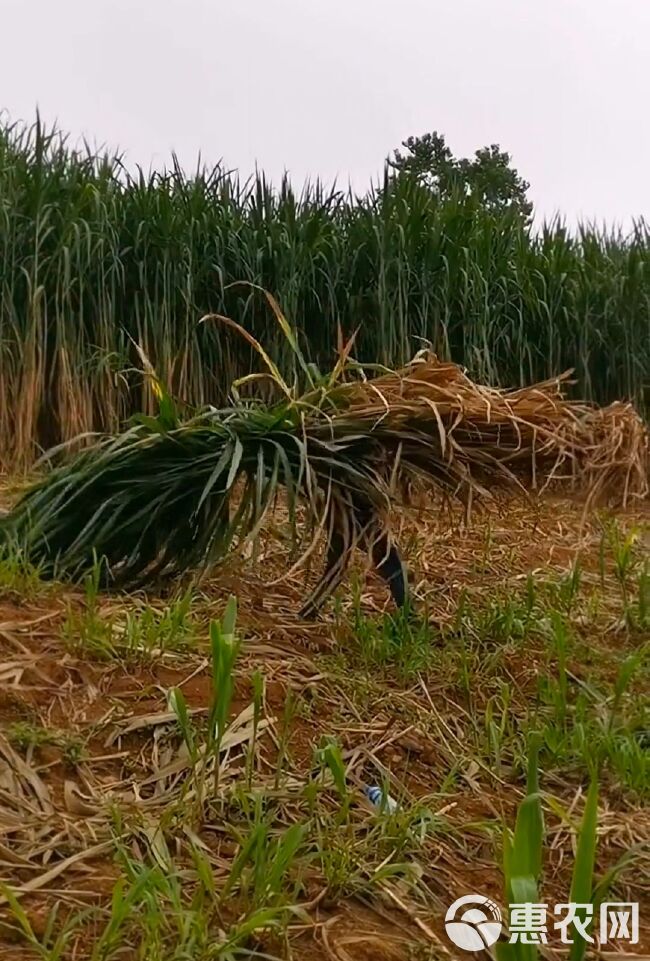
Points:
[103,737]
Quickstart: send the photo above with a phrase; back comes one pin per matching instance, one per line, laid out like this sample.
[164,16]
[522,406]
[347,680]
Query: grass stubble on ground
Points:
[174,785]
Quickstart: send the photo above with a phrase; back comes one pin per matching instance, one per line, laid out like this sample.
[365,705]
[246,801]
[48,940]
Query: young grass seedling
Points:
[522,856]
[224,649]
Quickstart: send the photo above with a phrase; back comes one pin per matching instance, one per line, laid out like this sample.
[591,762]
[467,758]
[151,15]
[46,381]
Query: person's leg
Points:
[335,567]
[385,558]
[389,566]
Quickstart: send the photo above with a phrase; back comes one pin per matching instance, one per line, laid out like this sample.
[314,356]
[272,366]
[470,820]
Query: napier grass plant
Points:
[523,860]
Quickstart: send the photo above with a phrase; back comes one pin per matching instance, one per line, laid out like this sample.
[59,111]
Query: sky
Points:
[329,89]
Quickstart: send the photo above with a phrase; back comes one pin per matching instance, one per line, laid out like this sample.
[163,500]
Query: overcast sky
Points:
[329,87]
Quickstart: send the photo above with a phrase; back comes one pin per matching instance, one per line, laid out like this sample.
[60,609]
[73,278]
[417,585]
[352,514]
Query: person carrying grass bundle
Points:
[168,496]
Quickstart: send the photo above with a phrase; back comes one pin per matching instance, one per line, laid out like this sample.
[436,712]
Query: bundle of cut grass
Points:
[535,432]
[167,496]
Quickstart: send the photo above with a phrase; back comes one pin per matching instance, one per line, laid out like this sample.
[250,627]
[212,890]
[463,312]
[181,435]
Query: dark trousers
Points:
[385,558]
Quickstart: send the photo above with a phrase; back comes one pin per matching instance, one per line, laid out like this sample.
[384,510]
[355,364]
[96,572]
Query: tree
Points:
[488,176]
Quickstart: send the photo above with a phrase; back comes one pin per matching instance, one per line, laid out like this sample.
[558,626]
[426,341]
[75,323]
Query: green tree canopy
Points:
[489,175]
